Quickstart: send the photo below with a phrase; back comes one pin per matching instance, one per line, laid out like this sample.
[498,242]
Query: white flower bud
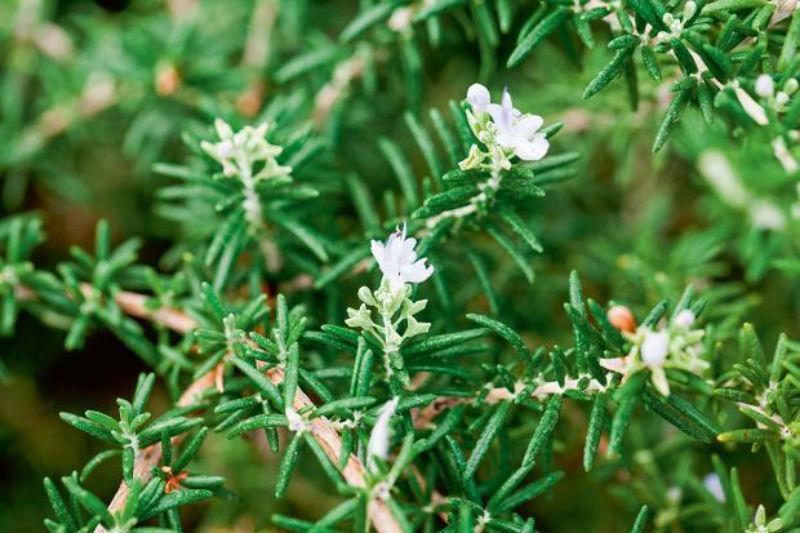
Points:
[655,348]
[791,86]
[478,97]
[684,319]
[765,87]
[689,10]
[781,98]
[225,149]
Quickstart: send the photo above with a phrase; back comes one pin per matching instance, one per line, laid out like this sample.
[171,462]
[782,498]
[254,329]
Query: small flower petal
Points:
[528,125]
[478,97]
[378,446]
[398,261]
[532,150]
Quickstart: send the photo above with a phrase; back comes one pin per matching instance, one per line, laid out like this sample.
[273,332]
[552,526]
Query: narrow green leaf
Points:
[490,431]
[547,26]
[287,466]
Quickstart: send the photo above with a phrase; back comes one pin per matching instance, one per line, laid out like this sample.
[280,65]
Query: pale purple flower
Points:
[515,131]
[398,261]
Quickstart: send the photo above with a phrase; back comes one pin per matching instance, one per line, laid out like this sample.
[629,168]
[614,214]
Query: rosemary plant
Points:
[355,296]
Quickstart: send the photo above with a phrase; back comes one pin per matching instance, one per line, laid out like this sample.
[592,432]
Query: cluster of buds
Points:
[765,88]
[760,524]
[678,345]
[237,152]
[387,310]
[676,24]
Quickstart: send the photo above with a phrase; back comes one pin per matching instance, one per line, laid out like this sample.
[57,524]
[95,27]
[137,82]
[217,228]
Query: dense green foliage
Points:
[352,288]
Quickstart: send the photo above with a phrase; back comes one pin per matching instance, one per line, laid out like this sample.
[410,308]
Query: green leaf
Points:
[258,422]
[290,376]
[730,5]
[304,235]
[261,382]
[89,501]
[436,342]
[641,520]
[425,145]
[490,431]
[87,426]
[547,26]
[544,429]
[521,228]
[366,19]
[530,491]
[287,466]
[504,331]
[176,499]
[509,247]
[597,422]
[190,449]
[344,405]
[608,73]
[60,508]
[94,462]
[747,435]
[408,183]
[628,398]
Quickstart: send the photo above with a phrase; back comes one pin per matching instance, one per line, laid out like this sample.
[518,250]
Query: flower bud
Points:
[765,87]
[689,10]
[684,319]
[621,318]
[655,348]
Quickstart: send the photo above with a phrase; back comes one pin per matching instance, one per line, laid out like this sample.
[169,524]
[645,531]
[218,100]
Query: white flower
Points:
[655,348]
[765,87]
[378,445]
[296,422]
[398,261]
[713,485]
[684,319]
[515,131]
